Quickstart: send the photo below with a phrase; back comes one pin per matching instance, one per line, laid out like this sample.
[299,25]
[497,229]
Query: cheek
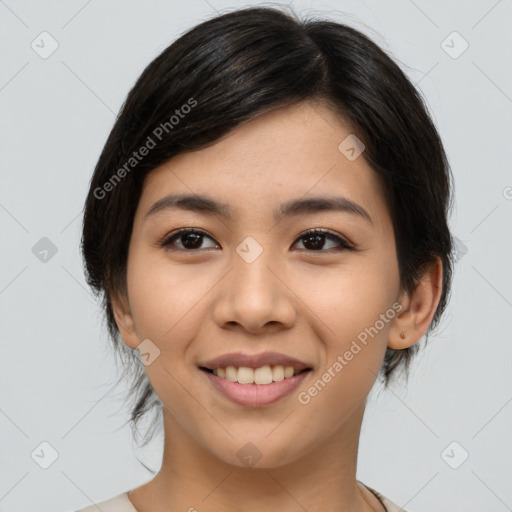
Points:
[164,297]
[166,304]
[355,308]
[356,314]
[350,298]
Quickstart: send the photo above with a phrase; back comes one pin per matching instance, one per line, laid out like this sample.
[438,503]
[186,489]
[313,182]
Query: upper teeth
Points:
[262,375]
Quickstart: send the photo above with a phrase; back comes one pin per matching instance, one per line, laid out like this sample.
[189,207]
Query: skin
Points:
[292,299]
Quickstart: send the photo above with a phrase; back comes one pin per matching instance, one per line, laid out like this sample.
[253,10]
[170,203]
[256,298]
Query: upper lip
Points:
[239,359]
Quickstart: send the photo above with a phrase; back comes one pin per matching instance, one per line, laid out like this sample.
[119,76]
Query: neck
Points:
[193,479]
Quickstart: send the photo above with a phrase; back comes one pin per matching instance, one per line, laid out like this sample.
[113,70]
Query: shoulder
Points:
[390,506]
[119,503]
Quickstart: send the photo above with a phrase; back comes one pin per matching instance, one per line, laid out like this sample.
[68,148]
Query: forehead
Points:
[288,153]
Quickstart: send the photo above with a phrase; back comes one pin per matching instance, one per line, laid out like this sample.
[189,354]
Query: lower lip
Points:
[255,395]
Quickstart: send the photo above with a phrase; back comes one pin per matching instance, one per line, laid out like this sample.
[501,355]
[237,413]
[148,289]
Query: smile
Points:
[261,376]
[250,394]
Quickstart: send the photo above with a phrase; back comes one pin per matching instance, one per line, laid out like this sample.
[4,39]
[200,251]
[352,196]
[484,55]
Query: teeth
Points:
[245,375]
[277,373]
[231,373]
[262,375]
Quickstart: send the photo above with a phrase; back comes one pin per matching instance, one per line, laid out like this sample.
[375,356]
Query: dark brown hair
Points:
[232,68]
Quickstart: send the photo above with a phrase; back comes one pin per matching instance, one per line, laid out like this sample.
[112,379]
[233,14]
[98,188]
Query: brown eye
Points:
[315,240]
[188,239]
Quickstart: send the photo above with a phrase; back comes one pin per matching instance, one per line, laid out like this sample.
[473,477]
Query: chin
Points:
[260,453]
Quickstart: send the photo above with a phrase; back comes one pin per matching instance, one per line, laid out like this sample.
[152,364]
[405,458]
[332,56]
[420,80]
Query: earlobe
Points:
[418,309]
[124,320]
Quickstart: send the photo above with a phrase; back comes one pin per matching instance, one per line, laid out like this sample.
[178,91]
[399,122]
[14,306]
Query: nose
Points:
[254,296]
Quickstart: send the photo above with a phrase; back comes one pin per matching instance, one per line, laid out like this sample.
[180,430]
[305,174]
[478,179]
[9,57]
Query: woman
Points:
[267,226]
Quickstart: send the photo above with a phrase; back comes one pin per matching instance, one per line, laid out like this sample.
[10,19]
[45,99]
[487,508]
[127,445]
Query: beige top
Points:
[122,503]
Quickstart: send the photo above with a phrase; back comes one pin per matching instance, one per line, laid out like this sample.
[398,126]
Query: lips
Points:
[255,380]
[240,359]
[255,395]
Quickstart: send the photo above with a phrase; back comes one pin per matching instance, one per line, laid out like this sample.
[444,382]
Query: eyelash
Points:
[167,241]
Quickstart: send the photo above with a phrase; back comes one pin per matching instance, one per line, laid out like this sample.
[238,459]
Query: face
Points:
[244,280]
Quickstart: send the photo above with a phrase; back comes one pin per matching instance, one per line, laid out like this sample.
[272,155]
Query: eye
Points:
[189,238]
[315,239]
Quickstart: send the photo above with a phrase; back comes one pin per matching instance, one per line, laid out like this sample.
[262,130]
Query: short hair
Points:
[232,68]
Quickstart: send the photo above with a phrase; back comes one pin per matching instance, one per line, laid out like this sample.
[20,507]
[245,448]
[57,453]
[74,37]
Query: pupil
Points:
[318,240]
[196,240]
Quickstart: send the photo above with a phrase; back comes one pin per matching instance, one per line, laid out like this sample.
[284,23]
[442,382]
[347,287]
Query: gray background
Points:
[57,370]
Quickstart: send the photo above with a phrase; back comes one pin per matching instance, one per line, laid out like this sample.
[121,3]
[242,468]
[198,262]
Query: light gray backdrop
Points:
[65,70]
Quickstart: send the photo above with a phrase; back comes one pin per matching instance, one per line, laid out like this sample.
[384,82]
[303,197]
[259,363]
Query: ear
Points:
[418,309]
[124,319]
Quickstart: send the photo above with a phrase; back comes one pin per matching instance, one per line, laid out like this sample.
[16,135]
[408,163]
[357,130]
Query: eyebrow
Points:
[202,204]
